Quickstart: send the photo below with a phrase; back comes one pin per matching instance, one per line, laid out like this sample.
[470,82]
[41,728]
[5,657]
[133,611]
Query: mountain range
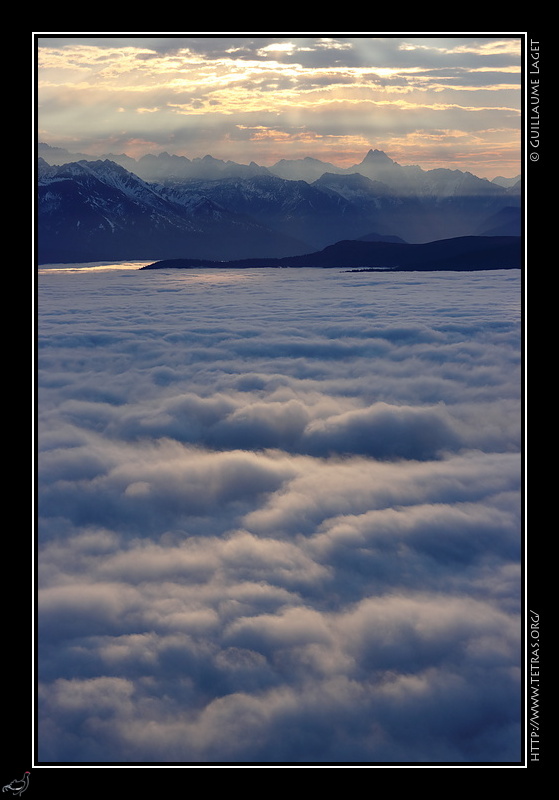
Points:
[166,207]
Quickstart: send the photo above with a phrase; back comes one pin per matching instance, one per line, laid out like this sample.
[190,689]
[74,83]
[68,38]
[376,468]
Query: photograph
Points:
[279,477]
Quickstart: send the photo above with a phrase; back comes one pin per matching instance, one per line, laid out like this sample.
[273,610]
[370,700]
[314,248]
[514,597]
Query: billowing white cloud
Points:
[279,517]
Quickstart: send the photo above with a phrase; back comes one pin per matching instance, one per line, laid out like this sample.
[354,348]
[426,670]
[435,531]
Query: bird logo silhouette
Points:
[17,787]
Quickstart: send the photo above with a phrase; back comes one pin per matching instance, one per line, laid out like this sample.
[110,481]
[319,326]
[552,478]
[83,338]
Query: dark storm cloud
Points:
[278,524]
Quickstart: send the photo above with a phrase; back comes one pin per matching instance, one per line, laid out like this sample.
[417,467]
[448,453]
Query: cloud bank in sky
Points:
[279,517]
[448,101]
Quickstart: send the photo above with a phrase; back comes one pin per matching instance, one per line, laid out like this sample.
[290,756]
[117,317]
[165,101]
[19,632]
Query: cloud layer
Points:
[431,101]
[279,517]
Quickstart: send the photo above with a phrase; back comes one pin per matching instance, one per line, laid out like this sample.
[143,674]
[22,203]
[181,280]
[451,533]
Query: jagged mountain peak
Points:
[253,208]
[377,157]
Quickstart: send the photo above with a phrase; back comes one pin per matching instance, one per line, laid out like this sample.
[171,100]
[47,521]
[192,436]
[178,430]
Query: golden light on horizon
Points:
[291,91]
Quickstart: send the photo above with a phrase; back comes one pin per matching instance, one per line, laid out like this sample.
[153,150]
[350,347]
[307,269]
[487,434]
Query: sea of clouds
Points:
[279,517]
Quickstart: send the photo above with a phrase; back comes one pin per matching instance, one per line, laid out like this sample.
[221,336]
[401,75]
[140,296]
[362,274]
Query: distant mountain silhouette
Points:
[507,182]
[505,222]
[304,169]
[462,253]
[166,206]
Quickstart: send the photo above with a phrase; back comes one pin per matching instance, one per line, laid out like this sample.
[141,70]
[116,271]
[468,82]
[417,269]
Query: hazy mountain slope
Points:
[91,211]
[293,208]
[209,208]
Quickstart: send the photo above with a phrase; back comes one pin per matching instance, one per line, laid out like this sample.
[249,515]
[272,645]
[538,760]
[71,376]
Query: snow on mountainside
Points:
[91,211]
[294,208]
[109,174]
[208,208]
[376,165]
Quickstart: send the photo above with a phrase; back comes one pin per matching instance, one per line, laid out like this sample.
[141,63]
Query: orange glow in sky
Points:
[444,101]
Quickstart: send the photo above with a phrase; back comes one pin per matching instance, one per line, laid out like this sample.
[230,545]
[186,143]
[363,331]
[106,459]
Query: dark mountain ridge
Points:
[461,253]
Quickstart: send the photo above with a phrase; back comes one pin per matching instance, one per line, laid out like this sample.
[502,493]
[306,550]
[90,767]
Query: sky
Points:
[279,525]
[436,101]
